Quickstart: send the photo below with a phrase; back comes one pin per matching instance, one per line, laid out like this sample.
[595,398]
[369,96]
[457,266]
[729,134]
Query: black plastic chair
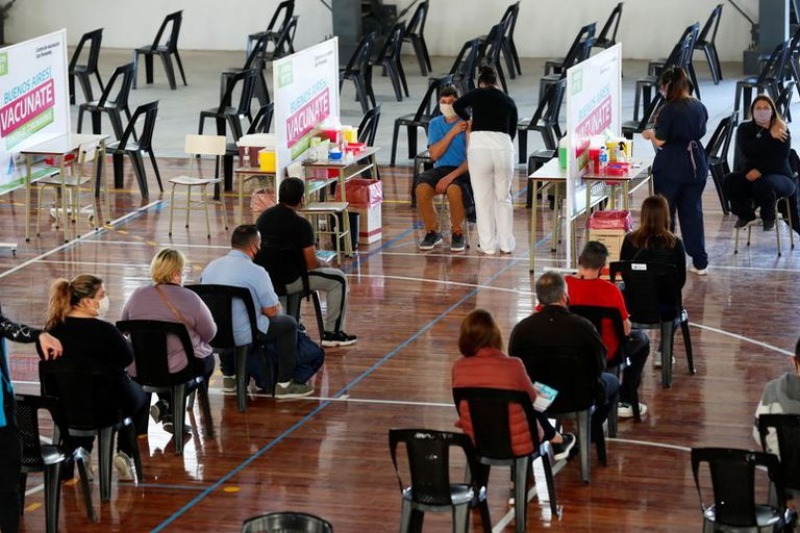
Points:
[509,46]
[428,108]
[114,108]
[261,124]
[38,457]
[82,72]
[490,50]
[560,65]
[389,59]
[544,120]
[717,150]
[357,71]
[226,113]
[615,362]
[653,299]
[220,301]
[786,429]
[284,11]
[733,480]
[150,353]
[784,102]
[286,522]
[368,127]
[647,87]
[431,488]
[706,42]
[284,43]
[608,34]
[415,33]
[164,51]
[489,414]
[84,390]
[572,374]
[462,73]
[255,61]
[638,125]
[575,56]
[134,149]
[770,79]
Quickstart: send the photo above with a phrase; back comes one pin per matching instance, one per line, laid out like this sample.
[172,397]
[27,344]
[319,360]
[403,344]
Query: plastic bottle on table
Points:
[603,159]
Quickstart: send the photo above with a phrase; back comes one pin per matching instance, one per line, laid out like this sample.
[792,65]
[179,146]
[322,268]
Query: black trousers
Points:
[10,470]
[637,348]
[745,195]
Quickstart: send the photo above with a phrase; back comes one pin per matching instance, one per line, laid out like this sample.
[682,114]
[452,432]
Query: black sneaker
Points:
[331,339]
[457,242]
[431,239]
[562,449]
[769,225]
[743,223]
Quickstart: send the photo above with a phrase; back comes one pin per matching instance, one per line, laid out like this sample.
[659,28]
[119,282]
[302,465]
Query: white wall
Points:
[546,28]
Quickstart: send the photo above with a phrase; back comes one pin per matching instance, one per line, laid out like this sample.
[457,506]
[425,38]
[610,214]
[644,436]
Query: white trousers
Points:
[491,169]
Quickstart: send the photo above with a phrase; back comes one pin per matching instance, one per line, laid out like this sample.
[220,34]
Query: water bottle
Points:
[603,159]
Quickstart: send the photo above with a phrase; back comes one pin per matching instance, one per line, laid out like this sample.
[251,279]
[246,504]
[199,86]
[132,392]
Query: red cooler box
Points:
[610,227]
[365,197]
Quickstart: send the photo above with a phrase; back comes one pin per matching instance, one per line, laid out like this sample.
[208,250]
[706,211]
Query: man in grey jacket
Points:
[780,396]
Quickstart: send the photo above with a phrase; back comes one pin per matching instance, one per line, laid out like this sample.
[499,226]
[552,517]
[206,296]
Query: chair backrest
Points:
[510,17]
[150,351]
[597,315]
[255,59]
[359,60]
[493,45]
[124,74]
[611,26]
[430,101]
[570,371]
[416,25]
[285,39]
[720,141]
[776,64]
[173,19]
[287,8]
[784,100]
[428,453]
[577,47]
[787,430]
[733,482]
[263,119]
[27,419]
[247,79]
[368,128]
[204,144]
[286,522]
[711,26]
[545,118]
[652,294]
[393,44]
[489,414]
[87,152]
[94,38]
[85,390]
[463,69]
[220,301]
[149,111]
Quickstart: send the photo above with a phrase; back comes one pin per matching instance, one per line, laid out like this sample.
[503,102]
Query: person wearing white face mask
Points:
[75,317]
[447,145]
[764,173]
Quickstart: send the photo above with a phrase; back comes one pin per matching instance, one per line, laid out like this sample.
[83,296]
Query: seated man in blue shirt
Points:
[237,269]
[447,145]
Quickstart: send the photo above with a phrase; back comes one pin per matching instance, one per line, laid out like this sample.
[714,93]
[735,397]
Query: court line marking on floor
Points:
[742,338]
[300,423]
[80,239]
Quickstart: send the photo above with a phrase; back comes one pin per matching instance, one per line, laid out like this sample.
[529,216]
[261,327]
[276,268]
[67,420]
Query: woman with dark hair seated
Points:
[75,317]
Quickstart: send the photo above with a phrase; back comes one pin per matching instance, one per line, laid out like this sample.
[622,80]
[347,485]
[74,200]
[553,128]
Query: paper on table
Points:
[544,396]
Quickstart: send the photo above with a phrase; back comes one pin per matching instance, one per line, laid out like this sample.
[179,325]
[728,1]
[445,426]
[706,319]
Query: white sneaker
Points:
[698,271]
[124,466]
[625,410]
[657,360]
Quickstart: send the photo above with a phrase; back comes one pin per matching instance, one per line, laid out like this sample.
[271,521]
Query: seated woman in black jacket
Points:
[74,317]
[764,175]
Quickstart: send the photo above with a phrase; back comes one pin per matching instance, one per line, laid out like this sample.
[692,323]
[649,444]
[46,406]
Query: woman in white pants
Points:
[491,160]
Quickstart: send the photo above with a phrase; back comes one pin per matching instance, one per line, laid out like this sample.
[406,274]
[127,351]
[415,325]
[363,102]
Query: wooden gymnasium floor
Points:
[328,454]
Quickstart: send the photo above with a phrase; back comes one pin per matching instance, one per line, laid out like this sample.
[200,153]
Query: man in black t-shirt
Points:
[288,252]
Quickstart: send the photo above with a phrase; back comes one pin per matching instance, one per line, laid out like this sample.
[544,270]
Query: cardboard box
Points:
[612,238]
[370,227]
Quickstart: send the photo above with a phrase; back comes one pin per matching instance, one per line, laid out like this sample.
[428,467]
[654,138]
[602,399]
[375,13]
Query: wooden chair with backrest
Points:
[608,34]
[221,300]
[286,522]
[83,71]
[134,149]
[415,33]
[86,392]
[149,339]
[431,487]
[489,412]
[165,51]
[654,301]
[114,108]
[571,373]
[733,476]
[428,108]
[40,457]
[284,12]
[196,146]
[706,41]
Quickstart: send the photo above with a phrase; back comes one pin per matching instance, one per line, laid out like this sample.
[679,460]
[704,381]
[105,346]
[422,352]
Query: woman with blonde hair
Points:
[166,300]
[75,317]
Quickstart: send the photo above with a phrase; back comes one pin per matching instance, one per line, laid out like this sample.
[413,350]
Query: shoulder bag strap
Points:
[172,307]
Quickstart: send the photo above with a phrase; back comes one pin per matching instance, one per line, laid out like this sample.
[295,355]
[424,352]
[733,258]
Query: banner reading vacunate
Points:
[35,100]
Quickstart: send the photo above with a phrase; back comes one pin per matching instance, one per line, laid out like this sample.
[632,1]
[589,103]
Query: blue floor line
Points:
[384,246]
[322,406]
